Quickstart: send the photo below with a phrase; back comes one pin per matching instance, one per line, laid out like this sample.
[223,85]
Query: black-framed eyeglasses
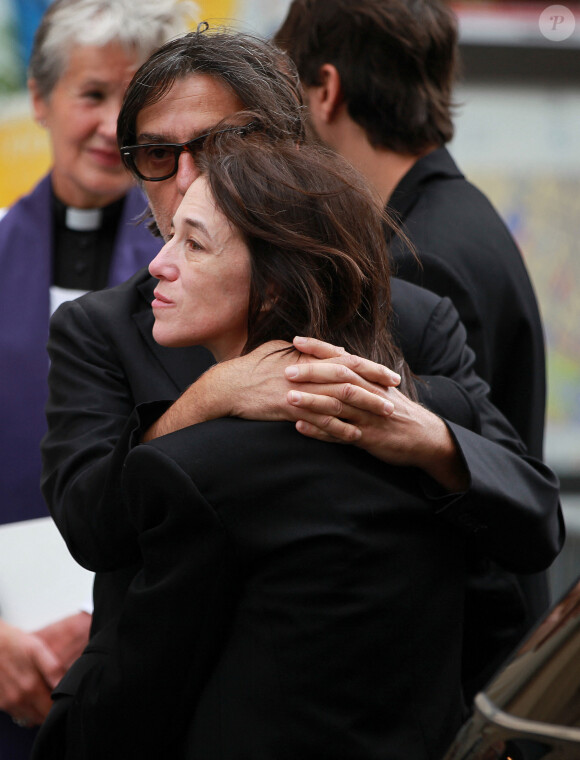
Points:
[154,162]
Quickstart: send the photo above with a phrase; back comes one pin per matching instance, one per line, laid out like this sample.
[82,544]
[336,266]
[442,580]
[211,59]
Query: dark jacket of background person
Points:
[318,600]
[467,254]
[26,263]
[379,78]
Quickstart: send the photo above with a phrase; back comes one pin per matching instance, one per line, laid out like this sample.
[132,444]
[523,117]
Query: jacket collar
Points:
[434,165]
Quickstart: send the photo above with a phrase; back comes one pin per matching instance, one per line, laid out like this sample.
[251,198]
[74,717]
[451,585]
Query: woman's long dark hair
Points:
[320,264]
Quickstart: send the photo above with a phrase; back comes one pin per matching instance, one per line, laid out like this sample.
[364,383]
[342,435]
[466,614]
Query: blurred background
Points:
[517,138]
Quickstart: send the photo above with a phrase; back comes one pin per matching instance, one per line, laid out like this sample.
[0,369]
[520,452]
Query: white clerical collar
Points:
[83,219]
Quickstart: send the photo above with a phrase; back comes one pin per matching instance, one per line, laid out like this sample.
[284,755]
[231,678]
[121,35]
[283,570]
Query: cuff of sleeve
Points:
[456,507]
[144,416]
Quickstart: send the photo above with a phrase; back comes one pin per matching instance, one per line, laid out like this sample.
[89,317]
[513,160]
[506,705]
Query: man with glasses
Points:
[112,386]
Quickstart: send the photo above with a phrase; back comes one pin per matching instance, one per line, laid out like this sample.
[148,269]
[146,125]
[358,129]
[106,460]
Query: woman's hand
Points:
[331,395]
[29,671]
[355,401]
[66,638]
[255,387]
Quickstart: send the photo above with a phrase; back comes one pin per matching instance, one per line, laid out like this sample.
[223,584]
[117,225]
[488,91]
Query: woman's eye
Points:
[94,95]
[194,245]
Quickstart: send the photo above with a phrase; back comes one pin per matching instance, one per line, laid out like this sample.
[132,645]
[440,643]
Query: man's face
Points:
[192,106]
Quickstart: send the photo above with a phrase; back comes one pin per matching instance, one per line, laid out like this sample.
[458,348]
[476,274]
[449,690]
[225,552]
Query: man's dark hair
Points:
[319,260]
[261,76]
[396,59]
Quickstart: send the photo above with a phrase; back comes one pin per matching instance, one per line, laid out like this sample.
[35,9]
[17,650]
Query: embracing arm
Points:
[100,371]
[255,387]
[485,484]
[251,386]
[93,424]
[509,492]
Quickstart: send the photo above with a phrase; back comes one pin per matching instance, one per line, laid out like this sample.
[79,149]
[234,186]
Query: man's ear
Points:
[328,94]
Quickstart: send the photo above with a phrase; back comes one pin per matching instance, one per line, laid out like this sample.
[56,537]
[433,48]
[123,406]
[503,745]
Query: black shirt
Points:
[83,242]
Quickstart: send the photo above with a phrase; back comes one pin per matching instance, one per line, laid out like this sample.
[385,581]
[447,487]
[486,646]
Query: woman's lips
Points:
[160,302]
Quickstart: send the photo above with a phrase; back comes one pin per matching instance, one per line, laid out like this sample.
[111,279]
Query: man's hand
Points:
[67,638]
[29,671]
[251,386]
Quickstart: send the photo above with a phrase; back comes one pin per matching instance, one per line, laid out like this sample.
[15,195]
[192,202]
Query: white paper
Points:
[39,580]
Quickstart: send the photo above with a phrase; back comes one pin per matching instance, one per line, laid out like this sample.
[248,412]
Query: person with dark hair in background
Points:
[112,386]
[73,233]
[378,77]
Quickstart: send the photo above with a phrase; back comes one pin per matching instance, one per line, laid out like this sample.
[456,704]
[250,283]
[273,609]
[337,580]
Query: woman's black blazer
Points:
[296,600]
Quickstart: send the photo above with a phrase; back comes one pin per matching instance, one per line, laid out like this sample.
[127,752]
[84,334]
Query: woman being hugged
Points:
[296,600]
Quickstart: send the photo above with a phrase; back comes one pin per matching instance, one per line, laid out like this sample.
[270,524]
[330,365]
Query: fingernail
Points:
[389,407]
[294,397]
[299,339]
[396,377]
[291,372]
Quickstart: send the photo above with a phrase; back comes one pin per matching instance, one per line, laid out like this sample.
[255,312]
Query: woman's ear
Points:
[39,105]
[271,297]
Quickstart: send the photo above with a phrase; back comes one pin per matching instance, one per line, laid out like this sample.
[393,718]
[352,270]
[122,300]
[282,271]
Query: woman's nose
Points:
[162,266]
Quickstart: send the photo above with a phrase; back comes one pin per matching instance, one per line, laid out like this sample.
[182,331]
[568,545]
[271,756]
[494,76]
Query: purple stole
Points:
[26,258]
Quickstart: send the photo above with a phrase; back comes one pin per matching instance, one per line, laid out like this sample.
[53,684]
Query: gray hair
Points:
[140,27]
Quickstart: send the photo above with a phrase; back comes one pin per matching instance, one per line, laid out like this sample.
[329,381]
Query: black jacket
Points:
[109,380]
[467,254]
[296,600]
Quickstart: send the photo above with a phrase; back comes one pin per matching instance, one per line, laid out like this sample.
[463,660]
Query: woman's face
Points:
[81,116]
[204,275]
